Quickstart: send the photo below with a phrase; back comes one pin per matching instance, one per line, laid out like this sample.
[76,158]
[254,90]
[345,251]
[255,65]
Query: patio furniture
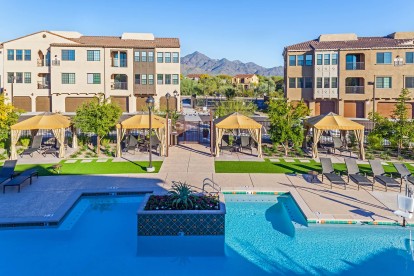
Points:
[225,144]
[246,143]
[7,171]
[404,173]
[329,172]
[405,207]
[357,176]
[131,145]
[21,178]
[338,145]
[54,150]
[155,144]
[35,147]
[381,177]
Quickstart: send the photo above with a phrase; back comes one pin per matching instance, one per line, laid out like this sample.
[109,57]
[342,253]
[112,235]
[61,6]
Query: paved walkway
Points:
[48,199]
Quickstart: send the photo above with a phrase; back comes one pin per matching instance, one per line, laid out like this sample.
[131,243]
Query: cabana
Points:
[141,121]
[332,121]
[238,121]
[53,121]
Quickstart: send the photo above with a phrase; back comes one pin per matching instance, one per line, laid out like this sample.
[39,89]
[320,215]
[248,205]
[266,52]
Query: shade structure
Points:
[53,121]
[332,121]
[238,121]
[141,121]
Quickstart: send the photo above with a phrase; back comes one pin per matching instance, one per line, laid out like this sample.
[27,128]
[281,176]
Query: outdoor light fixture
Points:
[150,104]
[167,97]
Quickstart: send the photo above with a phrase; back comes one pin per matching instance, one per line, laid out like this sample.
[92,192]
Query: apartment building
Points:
[350,75]
[245,80]
[55,71]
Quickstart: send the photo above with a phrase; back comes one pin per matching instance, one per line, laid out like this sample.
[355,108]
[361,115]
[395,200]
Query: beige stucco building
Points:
[245,80]
[350,75]
[54,71]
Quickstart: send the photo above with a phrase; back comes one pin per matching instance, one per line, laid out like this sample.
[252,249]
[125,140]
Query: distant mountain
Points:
[198,63]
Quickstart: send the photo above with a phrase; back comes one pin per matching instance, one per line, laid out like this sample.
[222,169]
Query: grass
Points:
[93,167]
[287,167]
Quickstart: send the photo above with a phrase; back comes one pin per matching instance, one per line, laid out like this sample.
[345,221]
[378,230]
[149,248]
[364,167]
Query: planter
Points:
[180,222]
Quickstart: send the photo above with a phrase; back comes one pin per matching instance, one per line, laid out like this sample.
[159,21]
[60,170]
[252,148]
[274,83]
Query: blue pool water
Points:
[265,235]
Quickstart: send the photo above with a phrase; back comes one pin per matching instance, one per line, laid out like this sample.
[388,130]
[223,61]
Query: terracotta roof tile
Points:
[360,43]
[244,76]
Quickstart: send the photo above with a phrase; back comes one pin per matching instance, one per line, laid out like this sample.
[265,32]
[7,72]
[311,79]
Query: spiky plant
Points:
[181,192]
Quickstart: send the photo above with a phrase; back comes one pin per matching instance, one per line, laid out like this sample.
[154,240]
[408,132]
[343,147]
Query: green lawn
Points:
[285,167]
[93,167]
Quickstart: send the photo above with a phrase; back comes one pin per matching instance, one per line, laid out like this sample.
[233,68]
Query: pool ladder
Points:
[411,245]
[210,183]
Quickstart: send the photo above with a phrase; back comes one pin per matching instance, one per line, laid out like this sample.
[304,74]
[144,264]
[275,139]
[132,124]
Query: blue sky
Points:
[253,31]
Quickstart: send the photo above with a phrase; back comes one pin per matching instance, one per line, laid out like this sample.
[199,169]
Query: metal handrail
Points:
[208,182]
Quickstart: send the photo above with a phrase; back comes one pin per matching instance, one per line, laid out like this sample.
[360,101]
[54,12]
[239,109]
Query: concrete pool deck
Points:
[50,197]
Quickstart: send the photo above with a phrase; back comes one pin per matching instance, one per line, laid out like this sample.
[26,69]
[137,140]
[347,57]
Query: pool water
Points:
[265,235]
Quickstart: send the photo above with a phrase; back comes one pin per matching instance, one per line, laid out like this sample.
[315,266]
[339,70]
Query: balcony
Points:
[43,62]
[43,85]
[119,85]
[354,89]
[355,66]
[56,62]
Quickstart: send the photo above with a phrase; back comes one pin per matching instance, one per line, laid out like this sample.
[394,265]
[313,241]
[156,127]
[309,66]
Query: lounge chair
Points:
[338,145]
[21,178]
[155,144]
[356,176]
[52,150]
[131,145]
[404,173]
[246,143]
[35,147]
[381,177]
[225,144]
[329,172]
[7,171]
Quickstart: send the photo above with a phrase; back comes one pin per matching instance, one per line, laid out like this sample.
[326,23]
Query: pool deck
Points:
[49,198]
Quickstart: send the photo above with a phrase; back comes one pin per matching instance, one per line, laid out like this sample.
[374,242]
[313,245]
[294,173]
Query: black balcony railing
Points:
[354,89]
[43,85]
[119,85]
[355,66]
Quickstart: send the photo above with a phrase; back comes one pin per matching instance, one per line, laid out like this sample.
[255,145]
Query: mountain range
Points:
[198,63]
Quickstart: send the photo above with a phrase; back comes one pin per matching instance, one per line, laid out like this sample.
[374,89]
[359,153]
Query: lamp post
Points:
[150,103]
[176,100]
[11,91]
[167,97]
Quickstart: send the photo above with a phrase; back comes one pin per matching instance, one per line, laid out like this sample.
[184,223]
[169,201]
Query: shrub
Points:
[105,142]
[181,192]
[24,141]
[375,141]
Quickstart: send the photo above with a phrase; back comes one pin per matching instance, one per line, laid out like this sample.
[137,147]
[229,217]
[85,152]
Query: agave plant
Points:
[181,192]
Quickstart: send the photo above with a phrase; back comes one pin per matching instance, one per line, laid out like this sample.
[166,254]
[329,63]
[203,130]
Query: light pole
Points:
[150,103]
[167,97]
[176,100]
[11,92]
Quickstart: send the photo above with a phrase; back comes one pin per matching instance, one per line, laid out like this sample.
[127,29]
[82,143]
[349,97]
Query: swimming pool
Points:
[98,237]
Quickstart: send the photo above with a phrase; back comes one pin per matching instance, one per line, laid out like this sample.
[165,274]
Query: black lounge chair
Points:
[356,176]
[246,143]
[155,144]
[338,145]
[131,145]
[329,172]
[52,150]
[225,144]
[7,171]
[35,147]
[404,173]
[21,178]
[381,177]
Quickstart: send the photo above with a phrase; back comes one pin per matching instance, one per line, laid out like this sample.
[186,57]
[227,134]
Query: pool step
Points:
[74,215]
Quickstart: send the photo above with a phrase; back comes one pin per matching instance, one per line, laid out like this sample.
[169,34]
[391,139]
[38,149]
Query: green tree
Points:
[286,125]
[97,116]
[227,107]
[8,117]
[230,92]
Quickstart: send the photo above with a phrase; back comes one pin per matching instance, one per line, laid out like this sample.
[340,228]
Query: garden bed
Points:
[166,202]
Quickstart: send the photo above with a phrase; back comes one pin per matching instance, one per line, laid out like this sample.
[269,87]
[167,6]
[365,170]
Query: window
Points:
[319,59]
[175,57]
[326,82]
[318,82]
[300,83]
[68,55]
[123,59]
[68,78]
[136,56]
[144,56]
[300,60]
[175,79]
[167,57]
[334,82]
[19,54]
[94,78]
[409,82]
[167,79]
[19,77]
[137,79]
[383,82]
[144,79]
[292,82]
[308,82]
[151,79]
[308,60]
[150,56]
[334,59]
[384,58]
[27,55]
[409,57]
[160,57]
[10,54]
[93,55]
[292,60]
[10,77]
[327,59]
[27,77]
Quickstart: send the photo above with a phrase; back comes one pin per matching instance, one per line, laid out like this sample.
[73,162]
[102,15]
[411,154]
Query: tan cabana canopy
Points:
[332,121]
[53,121]
[238,121]
[141,121]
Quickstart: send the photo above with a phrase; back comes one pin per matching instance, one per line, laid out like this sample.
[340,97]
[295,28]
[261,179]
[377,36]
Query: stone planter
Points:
[181,222]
